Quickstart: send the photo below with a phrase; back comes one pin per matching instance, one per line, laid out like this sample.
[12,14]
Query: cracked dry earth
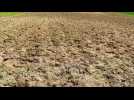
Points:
[67,49]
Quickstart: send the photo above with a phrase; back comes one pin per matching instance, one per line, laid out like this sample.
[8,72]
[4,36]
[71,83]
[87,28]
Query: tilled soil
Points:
[67,49]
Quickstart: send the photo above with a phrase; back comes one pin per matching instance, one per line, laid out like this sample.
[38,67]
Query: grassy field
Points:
[9,13]
[129,13]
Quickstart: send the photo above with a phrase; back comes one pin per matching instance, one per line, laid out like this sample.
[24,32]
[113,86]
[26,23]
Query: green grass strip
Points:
[129,13]
[9,13]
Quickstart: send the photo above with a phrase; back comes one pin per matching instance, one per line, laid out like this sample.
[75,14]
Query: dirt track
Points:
[67,49]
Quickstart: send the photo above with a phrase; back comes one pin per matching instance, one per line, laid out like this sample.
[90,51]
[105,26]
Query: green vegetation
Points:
[129,13]
[9,13]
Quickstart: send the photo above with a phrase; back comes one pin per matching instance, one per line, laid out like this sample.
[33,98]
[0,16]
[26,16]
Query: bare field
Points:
[67,49]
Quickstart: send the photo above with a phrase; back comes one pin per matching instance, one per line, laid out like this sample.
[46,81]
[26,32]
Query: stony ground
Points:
[67,49]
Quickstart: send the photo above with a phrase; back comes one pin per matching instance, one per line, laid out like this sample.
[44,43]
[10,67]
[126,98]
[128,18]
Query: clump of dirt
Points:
[67,49]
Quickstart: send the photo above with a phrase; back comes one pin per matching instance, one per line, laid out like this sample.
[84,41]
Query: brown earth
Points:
[67,49]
